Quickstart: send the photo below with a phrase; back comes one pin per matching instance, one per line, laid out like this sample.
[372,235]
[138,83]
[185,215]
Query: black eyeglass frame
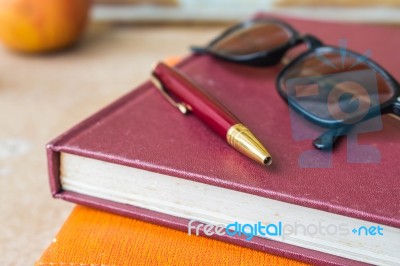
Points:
[314,45]
[261,58]
[385,107]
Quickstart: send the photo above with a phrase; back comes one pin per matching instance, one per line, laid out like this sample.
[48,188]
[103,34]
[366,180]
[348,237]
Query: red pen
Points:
[174,84]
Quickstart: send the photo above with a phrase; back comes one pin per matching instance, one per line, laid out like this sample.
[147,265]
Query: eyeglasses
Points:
[331,87]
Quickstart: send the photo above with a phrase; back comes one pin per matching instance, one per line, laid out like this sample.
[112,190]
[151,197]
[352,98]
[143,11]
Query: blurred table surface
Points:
[42,96]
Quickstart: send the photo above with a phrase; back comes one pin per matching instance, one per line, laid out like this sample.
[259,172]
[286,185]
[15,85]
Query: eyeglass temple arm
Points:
[198,49]
[327,139]
[396,106]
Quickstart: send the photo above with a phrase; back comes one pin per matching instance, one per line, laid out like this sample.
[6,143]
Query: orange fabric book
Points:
[92,237]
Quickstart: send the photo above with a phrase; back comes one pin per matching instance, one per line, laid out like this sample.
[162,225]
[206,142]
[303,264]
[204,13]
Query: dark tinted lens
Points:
[334,87]
[255,38]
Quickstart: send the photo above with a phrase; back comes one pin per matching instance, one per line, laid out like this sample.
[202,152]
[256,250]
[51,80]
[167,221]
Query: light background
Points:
[42,96]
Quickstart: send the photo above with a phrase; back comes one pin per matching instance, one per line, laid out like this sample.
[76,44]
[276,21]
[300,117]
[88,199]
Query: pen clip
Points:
[182,107]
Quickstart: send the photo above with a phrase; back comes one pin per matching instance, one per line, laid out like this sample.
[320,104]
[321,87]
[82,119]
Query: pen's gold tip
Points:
[240,138]
[268,160]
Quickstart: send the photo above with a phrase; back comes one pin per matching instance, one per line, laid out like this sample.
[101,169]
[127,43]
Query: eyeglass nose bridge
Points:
[311,41]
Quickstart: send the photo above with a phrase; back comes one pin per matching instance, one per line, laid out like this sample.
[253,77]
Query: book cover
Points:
[141,130]
[109,239]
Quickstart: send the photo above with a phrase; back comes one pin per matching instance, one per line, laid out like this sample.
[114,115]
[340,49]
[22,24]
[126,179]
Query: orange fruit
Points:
[42,25]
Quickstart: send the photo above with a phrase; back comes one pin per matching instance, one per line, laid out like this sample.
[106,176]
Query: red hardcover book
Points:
[157,165]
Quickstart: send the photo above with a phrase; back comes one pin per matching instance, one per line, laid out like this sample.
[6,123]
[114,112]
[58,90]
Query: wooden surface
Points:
[371,11]
[343,3]
[42,96]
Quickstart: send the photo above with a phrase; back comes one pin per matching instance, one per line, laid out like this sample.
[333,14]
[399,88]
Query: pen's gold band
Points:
[242,140]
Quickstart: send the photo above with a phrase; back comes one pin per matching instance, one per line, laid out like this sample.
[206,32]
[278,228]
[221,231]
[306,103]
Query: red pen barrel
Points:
[190,96]
[199,102]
